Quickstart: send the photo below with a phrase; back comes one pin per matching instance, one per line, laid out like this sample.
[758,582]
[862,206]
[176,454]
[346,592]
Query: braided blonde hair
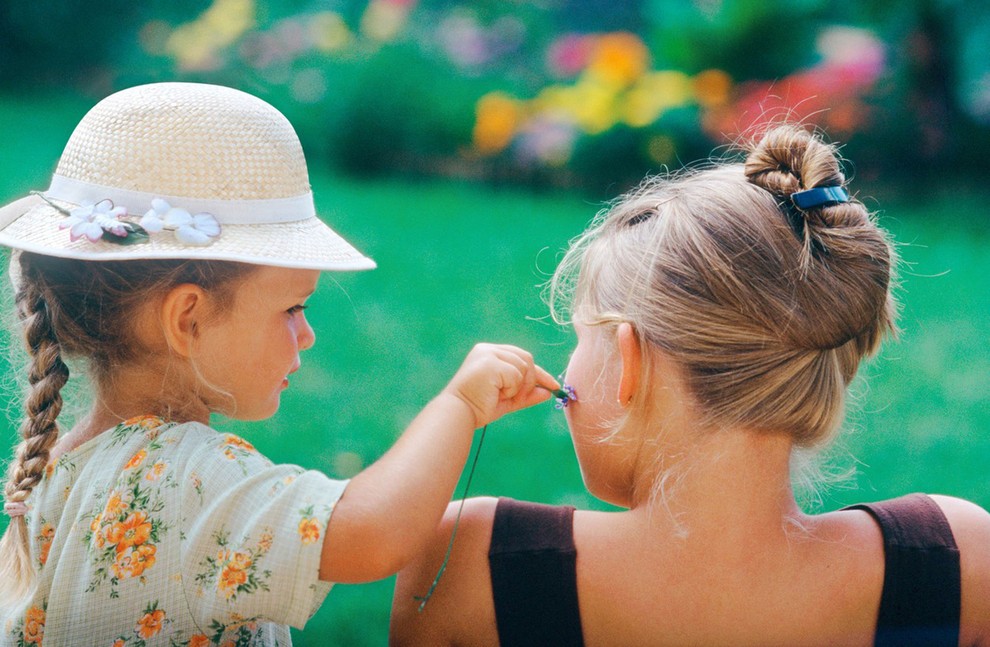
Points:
[47,374]
[74,309]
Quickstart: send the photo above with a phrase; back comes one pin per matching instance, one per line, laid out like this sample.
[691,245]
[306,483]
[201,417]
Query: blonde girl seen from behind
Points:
[721,315]
[172,258]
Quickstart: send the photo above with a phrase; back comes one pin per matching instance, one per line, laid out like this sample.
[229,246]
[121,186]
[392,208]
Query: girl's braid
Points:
[47,375]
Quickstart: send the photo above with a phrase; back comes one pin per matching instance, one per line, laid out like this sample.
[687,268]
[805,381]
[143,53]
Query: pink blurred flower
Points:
[568,55]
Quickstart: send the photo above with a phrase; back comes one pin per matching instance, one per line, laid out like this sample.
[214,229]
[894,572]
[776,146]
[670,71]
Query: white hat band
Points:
[227,212]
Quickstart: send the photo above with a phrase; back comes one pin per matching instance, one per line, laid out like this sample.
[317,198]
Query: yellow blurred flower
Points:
[328,31]
[654,94]
[618,58]
[195,44]
[712,88]
[594,105]
[497,118]
[384,19]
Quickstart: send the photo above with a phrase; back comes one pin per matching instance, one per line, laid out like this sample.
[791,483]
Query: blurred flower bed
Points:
[570,92]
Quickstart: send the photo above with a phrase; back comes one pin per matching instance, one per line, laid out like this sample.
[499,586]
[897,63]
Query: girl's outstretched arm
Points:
[391,510]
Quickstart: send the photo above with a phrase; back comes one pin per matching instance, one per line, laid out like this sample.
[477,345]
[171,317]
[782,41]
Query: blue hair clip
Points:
[819,196]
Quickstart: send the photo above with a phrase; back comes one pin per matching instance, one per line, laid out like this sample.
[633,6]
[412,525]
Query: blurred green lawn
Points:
[460,263]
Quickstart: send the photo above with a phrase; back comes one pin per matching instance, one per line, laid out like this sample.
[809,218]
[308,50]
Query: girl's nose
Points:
[305,337]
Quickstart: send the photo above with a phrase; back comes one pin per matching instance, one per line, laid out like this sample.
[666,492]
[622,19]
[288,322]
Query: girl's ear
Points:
[631,356]
[181,310]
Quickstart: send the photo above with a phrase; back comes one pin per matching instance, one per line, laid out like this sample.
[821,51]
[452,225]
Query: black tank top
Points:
[922,584]
[532,563]
[532,560]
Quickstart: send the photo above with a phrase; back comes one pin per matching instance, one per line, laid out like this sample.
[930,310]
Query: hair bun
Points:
[845,259]
[788,159]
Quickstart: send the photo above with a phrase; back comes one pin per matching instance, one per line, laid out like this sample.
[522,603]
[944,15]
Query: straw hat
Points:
[180,170]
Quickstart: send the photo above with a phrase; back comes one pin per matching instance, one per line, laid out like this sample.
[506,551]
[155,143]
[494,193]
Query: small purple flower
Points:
[91,221]
[564,396]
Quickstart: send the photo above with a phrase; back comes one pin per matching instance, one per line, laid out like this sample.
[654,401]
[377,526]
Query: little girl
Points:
[174,253]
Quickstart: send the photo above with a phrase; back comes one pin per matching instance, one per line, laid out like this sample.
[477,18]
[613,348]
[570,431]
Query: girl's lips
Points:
[285,380]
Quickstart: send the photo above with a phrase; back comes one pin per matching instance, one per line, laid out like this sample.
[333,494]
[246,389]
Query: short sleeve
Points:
[252,535]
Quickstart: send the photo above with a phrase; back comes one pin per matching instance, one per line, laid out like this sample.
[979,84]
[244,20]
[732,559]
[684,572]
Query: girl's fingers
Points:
[532,377]
[545,379]
[518,380]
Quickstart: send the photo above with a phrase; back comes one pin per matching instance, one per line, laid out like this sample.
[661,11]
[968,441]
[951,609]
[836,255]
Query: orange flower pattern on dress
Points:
[150,623]
[132,531]
[34,626]
[136,460]
[235,571]
[115,506]
[265,543]
[45,541]
[238,450]
[309,530]
[156,471]
[144,422]
[134,561]
[157,492]
[238,442]
[125,533]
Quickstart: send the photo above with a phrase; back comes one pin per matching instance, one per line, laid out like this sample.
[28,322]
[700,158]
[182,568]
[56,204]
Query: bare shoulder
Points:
[971,528]
[460,608]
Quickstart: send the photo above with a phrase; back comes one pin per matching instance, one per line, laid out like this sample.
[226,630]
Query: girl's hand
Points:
[499,379]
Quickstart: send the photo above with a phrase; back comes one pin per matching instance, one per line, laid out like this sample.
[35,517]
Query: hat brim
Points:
[31,224]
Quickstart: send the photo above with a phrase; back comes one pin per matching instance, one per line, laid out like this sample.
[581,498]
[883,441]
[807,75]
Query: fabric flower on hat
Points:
[91,221]
[189,229]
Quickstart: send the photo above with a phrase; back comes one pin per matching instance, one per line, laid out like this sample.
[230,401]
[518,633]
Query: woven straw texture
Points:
[218,144]
[193,140]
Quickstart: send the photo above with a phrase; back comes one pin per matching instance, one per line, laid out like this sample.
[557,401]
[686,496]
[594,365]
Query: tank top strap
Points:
[921,599]
[532,560]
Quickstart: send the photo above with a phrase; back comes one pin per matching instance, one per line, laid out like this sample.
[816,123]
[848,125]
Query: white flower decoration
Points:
[190,229]
[91,221]
[154,220]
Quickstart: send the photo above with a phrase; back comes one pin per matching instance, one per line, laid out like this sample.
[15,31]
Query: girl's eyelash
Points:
[297,308]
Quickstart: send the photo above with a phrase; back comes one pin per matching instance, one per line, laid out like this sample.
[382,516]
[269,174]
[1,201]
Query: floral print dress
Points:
[159,533]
